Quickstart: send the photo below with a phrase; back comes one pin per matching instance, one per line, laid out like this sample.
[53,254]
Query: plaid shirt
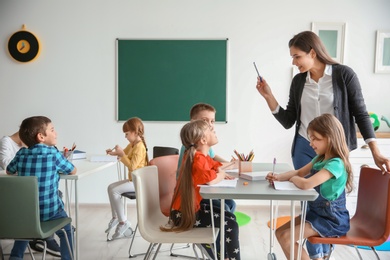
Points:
[45,162]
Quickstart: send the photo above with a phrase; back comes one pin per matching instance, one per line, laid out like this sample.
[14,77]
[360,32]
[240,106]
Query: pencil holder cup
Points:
[244,166]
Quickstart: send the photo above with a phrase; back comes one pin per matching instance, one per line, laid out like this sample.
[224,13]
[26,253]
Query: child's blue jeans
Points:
[20,246]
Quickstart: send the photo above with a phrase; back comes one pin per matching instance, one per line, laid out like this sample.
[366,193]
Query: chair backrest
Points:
[163,151]
[148,202]
[19,206]
[167,167]
[373,203]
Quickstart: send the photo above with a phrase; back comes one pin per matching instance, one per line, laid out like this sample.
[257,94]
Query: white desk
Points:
[84,168]
[259,190]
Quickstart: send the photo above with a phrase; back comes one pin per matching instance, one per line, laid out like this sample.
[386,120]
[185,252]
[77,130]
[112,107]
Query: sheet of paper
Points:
[104,158]
[232,170]
[286,185]
[223,183]
[255,176]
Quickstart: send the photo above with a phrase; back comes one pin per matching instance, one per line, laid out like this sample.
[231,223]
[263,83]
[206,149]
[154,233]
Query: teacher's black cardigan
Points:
[348,105]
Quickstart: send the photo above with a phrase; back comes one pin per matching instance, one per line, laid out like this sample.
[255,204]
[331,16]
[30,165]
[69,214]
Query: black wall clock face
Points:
[23,46]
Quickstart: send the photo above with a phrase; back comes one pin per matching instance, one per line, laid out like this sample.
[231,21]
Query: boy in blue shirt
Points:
[42,159]
[9,146]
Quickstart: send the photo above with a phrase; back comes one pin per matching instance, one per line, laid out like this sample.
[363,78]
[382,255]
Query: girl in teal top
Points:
[330,174]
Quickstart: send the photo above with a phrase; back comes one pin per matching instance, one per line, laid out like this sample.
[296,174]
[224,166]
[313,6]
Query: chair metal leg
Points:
[357,250]
[149,251]
[204,255]
[158,249]
[30,251]
[373,249]
[178,255]
[131,245]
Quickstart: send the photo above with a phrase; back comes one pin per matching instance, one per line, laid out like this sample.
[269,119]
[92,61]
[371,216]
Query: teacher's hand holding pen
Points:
[264,90]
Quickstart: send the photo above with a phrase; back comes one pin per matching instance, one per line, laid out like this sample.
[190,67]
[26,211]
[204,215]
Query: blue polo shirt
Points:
[45,162]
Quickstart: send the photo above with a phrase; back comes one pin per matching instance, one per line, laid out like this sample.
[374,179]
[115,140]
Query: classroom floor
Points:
[254,237]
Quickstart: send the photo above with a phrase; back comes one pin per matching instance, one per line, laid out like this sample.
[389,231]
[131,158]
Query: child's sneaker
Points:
[113,223]
[121,229]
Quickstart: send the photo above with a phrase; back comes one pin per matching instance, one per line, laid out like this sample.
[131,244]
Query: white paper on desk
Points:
[286,185]
[232,170]
[223,183]
[254,176]
[104,158]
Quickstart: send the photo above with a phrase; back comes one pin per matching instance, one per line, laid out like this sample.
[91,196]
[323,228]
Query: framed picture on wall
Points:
[333,37]
[382,53]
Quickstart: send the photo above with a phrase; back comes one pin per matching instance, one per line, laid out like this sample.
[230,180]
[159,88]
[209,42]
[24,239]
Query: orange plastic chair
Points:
[370,226]
[167,167]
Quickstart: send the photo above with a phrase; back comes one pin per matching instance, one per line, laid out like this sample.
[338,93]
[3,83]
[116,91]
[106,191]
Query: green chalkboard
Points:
[160,80]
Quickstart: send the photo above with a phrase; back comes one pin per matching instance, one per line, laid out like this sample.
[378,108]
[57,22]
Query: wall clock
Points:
[23,46]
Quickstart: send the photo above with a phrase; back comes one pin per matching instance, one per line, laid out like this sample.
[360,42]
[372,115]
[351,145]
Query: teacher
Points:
[322,86]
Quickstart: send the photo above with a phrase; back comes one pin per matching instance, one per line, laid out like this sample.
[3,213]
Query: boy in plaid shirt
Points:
[42,159]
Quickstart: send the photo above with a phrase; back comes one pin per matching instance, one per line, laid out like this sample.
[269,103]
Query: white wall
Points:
[73,80]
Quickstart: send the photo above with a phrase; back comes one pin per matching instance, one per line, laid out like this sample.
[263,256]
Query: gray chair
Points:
[20,217]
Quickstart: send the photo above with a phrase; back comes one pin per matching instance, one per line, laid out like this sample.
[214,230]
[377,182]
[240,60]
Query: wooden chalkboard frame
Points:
[160,79]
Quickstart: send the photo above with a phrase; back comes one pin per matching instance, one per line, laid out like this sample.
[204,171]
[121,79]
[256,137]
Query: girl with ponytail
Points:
[199,168]
[134,156]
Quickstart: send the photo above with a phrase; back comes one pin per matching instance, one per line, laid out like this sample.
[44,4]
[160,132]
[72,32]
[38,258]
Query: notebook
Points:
[223,183]
[254,176]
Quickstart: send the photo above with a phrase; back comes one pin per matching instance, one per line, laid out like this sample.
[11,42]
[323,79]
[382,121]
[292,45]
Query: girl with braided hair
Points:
[134,156]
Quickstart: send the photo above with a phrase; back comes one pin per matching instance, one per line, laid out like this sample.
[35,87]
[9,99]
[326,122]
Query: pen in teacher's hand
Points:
[261,79]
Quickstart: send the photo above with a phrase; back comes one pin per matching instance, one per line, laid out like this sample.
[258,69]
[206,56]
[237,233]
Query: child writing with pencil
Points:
[330,175]
[134,156]
[42,159]
[188,209]
[206,112]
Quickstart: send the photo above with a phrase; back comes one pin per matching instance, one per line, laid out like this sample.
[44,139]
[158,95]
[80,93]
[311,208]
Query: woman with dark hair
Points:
[322,86]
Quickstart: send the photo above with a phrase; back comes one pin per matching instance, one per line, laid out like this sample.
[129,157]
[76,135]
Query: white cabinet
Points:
[359,157]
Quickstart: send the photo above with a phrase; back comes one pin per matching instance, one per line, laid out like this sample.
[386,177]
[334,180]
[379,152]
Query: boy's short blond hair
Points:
[199,107]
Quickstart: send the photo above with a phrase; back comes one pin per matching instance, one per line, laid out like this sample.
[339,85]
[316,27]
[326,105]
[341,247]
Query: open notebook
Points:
[223,183]
[286,185]
[254,176]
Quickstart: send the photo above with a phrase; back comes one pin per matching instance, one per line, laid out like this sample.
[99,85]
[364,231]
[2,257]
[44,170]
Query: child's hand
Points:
[117,151]
[228,165]
[271,177]
[229,177]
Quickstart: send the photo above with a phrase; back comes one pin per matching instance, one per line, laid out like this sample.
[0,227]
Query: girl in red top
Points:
[199,168]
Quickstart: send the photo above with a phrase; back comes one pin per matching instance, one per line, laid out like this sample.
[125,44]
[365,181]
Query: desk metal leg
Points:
[68,202]
[222,231]
[292,235]
[302,229]
[272,228]
[76,238]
